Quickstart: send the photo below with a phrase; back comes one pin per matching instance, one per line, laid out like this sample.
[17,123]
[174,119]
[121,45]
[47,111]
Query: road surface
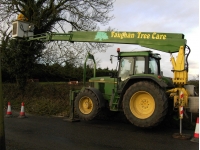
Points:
[52,133]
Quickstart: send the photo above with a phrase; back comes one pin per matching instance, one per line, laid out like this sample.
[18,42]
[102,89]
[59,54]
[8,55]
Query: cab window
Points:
[126,67]
[139,65]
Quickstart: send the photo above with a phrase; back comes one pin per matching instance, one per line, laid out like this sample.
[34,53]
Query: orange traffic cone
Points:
[196,132]
[9,112]
[22,113]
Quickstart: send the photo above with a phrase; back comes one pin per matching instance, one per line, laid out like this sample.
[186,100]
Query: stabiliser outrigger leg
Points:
[180,135]
[72,117]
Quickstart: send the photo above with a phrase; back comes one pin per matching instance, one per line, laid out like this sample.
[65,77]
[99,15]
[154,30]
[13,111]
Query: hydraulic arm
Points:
[166,42]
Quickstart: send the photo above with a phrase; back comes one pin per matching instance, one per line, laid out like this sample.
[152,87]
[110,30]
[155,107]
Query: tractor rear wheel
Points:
[87,105]
[145,104]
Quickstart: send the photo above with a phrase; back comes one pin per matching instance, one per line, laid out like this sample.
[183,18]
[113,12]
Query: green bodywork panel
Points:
[108,87]
[166,42]
[105,85]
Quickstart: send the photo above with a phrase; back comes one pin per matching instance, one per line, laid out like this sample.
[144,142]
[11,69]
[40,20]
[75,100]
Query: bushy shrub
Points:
[39,98]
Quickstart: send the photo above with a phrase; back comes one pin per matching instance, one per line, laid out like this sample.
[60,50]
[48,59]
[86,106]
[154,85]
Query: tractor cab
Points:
[140,65]
[137,63]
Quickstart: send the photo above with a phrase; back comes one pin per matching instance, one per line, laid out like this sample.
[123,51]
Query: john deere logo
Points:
[101,36]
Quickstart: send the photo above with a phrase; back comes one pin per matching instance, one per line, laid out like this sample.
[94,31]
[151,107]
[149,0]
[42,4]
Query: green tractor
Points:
[138,89]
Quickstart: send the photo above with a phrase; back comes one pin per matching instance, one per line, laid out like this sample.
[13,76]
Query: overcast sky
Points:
[168,16]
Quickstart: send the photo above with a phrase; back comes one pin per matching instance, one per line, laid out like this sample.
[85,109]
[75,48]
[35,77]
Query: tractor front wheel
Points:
[87,105]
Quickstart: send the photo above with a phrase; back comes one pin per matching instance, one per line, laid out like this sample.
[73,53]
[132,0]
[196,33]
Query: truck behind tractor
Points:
[138,88]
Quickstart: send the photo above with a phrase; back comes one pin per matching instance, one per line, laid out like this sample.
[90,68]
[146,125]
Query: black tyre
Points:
[87,105]
[145,104]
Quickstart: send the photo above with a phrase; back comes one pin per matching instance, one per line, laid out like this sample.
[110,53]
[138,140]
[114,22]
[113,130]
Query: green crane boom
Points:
[166,42]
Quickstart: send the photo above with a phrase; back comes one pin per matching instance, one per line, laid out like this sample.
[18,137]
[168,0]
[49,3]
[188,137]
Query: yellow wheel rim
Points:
[142,104]
[85,105]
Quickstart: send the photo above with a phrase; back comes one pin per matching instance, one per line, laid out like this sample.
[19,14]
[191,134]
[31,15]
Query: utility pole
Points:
[2,130]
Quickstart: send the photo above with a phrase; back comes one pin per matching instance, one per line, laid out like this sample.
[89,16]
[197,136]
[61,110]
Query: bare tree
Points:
[55,16]
[45,14]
